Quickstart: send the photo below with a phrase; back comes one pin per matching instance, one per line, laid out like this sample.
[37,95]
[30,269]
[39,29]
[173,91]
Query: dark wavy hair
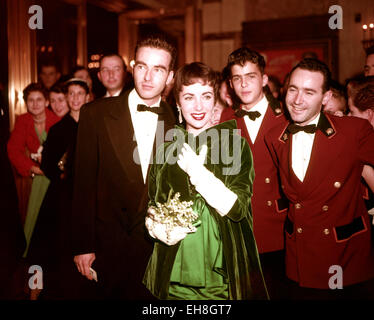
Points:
[192,73]
[242,55]
[158,42]
[364,99]
[315,65]
[35,86]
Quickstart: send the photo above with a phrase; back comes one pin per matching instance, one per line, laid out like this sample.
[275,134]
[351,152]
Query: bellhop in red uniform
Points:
[268,207]
[327,223]
[258,112]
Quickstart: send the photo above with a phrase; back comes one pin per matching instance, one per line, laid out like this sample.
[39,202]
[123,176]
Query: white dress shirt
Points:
[302,144]
[253,126]
[116,94]
[145,126]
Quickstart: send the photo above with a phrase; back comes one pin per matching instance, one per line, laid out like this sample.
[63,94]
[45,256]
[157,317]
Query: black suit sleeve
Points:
[85,181]
[53,150]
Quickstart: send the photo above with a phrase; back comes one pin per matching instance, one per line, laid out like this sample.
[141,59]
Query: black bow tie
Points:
[157,110]
[253,115]
[310,128]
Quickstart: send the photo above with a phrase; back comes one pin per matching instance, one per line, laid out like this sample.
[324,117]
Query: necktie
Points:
[253,115]
[310,128]
[157,110]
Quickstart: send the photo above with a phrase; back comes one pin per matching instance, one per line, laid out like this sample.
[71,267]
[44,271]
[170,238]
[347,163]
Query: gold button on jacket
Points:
[337,184]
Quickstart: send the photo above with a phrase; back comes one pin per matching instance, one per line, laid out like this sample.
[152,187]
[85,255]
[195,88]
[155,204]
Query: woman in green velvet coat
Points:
[216,257]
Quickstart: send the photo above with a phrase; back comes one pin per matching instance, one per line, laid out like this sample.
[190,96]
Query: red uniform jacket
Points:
[327,222]
[268,207]
[24,141]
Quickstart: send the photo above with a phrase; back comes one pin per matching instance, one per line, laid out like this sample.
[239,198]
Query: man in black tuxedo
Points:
[117,138]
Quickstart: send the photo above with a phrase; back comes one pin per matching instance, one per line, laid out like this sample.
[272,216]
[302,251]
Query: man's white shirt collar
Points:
[314,121]
[116,94]
[145,126]
[253,126]
[302,144]
[134,100]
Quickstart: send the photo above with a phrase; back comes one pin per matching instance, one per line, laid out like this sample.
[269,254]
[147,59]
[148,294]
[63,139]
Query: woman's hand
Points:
[159,231]
[172,237]
[190,162]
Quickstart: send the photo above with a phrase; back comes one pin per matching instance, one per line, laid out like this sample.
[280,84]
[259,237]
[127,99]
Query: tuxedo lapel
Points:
[121,135]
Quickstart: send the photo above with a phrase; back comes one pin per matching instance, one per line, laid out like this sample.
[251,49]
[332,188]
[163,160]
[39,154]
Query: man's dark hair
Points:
[79,68]
[315,65]
[78,82]
[338,88]
[242,55]
[58,88]
[35,86]
[364,99]
[354,84]
[192,73]
[159,42]
[108,55]
[49,63]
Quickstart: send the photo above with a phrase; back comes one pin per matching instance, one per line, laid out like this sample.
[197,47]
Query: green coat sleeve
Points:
[240,183]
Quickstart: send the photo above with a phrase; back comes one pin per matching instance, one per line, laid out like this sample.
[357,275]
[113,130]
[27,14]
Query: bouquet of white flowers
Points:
[174,213]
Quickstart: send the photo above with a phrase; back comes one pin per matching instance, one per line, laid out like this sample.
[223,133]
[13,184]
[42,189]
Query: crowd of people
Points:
[278,177]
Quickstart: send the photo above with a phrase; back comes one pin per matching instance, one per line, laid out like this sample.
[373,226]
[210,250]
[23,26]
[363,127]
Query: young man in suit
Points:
[320,158]
[116,139]
[256,114]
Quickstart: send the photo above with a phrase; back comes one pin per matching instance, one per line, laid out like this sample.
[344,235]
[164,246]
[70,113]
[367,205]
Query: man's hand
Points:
[83,263]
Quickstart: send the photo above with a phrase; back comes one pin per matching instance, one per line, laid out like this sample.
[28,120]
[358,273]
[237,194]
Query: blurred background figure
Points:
[57,100]
[49,74]
[353,85]
[222,101]
[226,93]
[29,133]
[363,107]
[113,75]
[81,72]
[369,63]
[363,103]
[275,86]
[337,104]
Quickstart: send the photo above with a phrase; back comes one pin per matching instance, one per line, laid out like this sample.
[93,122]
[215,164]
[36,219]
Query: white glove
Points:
[190,162]
[38,155]
[211,188]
